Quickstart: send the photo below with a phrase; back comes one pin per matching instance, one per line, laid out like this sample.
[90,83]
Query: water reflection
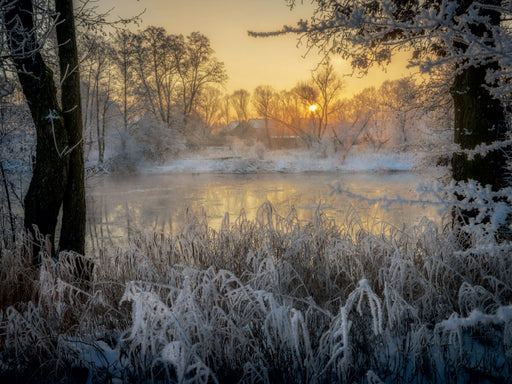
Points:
[120,206]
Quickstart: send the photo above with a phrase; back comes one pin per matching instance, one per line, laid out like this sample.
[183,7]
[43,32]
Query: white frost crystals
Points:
[161,332]
[268,300]
[335,344]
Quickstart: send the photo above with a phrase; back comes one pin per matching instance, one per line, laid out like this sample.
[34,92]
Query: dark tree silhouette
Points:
[58,175]
[479,117]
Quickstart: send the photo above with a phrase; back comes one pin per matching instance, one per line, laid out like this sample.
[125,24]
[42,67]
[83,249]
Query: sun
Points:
[313,107]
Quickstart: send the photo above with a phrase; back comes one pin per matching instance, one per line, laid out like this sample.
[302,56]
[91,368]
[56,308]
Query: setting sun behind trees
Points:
[207,81]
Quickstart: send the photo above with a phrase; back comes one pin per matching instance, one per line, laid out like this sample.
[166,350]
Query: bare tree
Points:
[329,85]
[240,102]
[123,57]
[307,93]
[157,77]
[97,69]
[226,110]
[72,235]
[209,107]
[306,103]
[196,67]
[357,118]
[263,101]
[291,111]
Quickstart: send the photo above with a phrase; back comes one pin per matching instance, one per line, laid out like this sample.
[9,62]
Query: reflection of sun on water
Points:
[123,208]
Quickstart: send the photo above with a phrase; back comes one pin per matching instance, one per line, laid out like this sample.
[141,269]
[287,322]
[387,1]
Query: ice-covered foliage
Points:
[147,141]
[268,300]
[435,33]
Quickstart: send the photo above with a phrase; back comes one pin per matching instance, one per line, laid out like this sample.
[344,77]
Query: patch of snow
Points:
[476,317]
[287,161]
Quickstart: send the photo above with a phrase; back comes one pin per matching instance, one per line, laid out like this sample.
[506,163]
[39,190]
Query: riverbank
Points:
[252,160]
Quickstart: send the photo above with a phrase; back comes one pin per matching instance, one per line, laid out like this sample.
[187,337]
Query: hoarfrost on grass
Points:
[268,300]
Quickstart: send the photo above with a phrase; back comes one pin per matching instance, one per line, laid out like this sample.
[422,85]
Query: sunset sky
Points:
[249,61]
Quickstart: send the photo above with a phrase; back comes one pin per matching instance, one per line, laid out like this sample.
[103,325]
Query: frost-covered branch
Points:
[367,33]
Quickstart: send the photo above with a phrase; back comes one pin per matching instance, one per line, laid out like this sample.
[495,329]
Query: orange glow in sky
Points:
[250,62]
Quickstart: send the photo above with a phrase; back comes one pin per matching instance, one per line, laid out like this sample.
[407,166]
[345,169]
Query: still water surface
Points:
[119,206]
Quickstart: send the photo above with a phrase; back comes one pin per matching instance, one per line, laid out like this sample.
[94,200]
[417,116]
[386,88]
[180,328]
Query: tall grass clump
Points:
[267,300]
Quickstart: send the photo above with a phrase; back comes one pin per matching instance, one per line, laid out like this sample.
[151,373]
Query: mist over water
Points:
[120,206]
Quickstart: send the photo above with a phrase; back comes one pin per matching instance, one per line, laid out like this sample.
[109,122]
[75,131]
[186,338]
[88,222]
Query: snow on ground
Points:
[222,161]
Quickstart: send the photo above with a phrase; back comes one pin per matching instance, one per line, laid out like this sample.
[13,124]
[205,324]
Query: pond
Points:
[119,206]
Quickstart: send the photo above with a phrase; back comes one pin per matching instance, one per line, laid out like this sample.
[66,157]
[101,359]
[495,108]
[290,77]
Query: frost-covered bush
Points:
[128,157]
[264,301]
[147,141]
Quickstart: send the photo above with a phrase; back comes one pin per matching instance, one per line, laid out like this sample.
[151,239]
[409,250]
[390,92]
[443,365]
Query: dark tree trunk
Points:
[479,119]
[47,186]
[72,237]
[58,175]
[9,206]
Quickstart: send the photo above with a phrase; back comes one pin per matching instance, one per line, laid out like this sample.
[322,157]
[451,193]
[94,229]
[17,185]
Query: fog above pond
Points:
[120,206]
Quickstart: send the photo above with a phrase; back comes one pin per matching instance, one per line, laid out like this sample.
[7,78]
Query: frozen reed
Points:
[261,301]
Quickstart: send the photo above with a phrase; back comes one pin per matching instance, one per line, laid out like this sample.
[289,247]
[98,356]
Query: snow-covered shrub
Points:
[147,141]
[128,157]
